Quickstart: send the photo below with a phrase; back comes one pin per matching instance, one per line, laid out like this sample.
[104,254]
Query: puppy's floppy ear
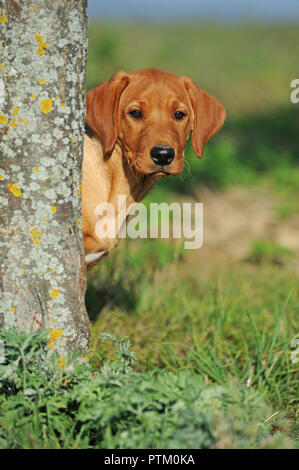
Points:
[208,115]
[102,109]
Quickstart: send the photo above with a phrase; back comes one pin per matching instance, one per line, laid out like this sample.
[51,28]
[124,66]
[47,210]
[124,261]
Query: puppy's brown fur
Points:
[117,147]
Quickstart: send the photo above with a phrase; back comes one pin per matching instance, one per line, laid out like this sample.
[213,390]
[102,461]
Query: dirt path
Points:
[236,218]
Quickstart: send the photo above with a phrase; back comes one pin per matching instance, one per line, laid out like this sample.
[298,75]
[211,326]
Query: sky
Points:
[161,10]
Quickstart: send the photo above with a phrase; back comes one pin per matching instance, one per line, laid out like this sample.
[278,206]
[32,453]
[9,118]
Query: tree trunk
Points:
[42,109]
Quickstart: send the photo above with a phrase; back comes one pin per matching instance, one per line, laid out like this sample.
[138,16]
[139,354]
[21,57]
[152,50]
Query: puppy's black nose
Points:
[162,154]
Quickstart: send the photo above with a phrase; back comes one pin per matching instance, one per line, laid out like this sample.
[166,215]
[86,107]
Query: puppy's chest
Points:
[111,221]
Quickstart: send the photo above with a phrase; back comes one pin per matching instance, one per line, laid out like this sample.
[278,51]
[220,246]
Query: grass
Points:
[44,406]
[263,250]
[237,322]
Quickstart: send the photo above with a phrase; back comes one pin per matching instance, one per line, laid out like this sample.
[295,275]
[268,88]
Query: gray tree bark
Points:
[42,108]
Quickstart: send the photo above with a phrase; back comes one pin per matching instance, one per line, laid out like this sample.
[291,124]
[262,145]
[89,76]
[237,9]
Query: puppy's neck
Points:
[121,178]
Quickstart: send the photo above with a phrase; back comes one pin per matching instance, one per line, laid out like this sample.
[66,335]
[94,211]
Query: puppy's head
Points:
[151,114]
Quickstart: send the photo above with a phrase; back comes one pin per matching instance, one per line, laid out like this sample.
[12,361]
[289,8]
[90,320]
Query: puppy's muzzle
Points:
[162,155]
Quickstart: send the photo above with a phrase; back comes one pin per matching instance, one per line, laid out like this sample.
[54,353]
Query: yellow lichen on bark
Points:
[54,335]
[15,190]
[35,234]
[3,119]
[54,294]
[41,44]
[46,105]
[3,17]
[23,121]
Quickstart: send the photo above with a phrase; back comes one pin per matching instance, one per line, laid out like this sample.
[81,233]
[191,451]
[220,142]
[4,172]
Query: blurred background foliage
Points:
[249,67]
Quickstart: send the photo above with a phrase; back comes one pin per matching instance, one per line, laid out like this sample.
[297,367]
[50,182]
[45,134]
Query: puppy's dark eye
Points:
[136,114]
[179,115]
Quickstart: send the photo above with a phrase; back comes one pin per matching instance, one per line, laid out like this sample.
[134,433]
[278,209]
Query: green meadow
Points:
[189,348]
